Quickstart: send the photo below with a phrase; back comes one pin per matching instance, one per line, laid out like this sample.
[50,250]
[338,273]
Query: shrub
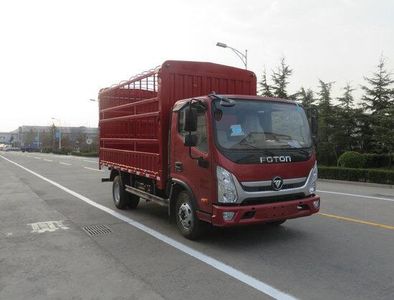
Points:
[362,175]
[86,154]
[351,159]
[378,160]
[326,154]
[381,176]
[62,151]
[46,150]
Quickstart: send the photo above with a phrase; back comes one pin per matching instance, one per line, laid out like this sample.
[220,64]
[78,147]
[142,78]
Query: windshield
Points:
[261,125]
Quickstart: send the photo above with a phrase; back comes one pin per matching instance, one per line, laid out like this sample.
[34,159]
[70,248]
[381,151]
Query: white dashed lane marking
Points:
[97,170]
[91,161]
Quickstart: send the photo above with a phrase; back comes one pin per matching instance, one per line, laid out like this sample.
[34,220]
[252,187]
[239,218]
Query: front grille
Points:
[269,187]
[272,199]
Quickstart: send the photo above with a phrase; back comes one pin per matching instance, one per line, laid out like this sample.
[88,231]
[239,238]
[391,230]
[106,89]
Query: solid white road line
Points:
[65,164]
[356,195]
[93,169]
[50,160]
[236,274]
[36,157]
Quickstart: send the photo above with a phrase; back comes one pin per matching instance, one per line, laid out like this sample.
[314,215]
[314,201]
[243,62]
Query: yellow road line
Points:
[357,221]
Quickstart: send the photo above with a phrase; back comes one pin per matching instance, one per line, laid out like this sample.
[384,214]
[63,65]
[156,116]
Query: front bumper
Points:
[263,213]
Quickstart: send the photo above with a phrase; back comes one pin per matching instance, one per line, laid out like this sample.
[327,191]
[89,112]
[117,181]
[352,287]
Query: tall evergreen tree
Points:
[378,100]
[345,124]
[265,88]
[383,130]
[326,148]
[306,97]
[324,94]
[347,99]
[379,93]
[280,79]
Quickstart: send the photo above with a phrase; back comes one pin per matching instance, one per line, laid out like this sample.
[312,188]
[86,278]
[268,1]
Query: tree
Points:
[326,148]
[81,141]
[382,127]
[347,99]
[363,132]
[345,122]
[379,101]
[66,143]
[265,88]
[46,140]
[306,97]
[384,130]
[325,97]
[29,138]
[12,141]
[379,94]
[53,134]
[280,79]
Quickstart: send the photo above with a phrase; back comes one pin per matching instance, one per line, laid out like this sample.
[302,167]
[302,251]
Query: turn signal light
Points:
[316,204]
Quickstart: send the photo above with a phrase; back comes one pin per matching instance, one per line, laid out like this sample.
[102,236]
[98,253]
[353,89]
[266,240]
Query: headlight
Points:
[227,192]
[313,179]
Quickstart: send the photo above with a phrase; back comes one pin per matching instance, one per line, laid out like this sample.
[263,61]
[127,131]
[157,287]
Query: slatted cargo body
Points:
[135,115]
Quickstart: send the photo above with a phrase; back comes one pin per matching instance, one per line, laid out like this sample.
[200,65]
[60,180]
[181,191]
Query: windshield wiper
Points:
[277,135]
[250,136]
[247,144]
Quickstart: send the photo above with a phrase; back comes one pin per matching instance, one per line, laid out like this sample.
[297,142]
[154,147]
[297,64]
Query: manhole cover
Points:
[97,230]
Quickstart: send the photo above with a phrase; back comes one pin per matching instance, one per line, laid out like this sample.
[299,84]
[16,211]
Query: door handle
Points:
[178,166]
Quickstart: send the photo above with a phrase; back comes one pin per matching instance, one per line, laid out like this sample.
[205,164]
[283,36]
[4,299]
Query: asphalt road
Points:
[345,252]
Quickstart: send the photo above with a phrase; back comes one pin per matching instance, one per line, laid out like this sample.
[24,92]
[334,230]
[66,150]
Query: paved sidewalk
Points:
[43,255]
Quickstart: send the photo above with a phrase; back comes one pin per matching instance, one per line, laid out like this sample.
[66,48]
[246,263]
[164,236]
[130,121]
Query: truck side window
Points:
[202,139]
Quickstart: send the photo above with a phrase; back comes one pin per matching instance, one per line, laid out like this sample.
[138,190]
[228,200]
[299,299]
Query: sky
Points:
[56,55]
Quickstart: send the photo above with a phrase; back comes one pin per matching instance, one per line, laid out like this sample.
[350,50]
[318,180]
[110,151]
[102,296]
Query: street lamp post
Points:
[243,57]
[97,101]
[60,133]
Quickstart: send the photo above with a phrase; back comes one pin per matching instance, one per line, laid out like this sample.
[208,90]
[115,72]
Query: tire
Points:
[133,201]
[186,218]
[123,199]
[276,223]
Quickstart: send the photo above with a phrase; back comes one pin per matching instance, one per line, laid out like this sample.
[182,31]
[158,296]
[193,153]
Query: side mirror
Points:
[190,119]
[313,118]
[190,140]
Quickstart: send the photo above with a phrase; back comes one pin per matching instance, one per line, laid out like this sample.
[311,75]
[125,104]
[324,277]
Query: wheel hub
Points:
[185,215]
[117,192]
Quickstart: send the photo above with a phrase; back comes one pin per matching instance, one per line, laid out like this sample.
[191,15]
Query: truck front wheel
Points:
[186,218]
[123,199]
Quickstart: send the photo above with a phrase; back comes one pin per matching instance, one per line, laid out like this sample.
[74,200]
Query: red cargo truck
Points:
[194,137]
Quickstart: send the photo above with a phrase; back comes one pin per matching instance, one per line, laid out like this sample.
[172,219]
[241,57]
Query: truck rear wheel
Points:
[186,218]
[123,199]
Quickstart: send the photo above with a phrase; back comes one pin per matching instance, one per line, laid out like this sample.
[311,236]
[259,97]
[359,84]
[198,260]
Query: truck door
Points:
[198,176]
